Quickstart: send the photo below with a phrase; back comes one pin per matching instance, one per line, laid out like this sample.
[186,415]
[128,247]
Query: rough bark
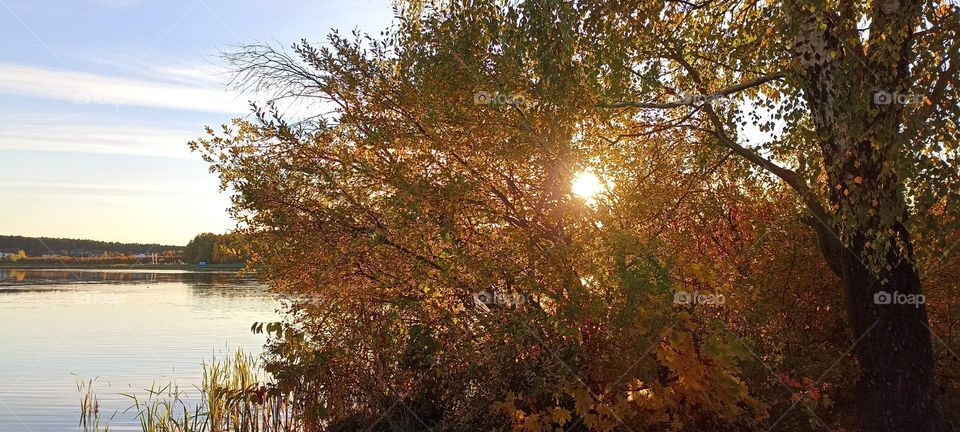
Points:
[896,390]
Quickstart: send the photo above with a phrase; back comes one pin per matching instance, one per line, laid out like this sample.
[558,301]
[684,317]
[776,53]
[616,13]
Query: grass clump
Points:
[235,395]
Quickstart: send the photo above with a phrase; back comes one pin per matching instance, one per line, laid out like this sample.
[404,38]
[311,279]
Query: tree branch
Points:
[691,101]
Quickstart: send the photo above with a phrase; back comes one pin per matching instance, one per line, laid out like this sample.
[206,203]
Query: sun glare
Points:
[586,184]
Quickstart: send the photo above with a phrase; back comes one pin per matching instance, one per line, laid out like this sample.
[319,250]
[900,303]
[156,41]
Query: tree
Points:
[882,164]
[18,256]
[446,162]
[212,248]
[200,248]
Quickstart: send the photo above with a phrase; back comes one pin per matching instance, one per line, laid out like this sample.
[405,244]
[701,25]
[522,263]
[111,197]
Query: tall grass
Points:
[235,396]
[90,407]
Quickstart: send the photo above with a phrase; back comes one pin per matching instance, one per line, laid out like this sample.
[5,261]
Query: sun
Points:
[586,184]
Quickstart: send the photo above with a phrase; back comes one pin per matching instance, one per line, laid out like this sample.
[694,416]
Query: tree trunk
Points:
[896,390]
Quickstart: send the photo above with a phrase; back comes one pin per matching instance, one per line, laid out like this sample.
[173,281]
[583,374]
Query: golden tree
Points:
[426,205]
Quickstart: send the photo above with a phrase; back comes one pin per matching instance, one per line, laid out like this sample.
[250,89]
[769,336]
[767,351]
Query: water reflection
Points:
[17,277]
[130,328]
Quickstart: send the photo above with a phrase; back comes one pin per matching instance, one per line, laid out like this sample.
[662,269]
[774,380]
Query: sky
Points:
[98,99]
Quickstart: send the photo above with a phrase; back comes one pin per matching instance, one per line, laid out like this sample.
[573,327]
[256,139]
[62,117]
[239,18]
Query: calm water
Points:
[127,329]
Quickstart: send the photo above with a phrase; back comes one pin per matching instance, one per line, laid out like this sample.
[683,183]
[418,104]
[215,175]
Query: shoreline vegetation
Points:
[235,393]
[206,251]
[10,245]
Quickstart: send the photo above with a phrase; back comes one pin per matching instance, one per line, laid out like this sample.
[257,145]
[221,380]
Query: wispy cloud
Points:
[140,186]
[191,73]
[102,139]
[86,88]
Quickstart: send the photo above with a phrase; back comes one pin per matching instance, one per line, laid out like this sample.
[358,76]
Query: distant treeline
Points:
[214,249]
[38,246]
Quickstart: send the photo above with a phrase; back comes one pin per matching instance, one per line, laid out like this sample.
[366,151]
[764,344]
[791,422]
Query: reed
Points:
[235,395]
[90,407]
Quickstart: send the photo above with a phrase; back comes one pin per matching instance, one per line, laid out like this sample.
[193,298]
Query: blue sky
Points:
[99,97]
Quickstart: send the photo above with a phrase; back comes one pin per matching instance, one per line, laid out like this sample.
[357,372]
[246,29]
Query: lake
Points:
[126,329]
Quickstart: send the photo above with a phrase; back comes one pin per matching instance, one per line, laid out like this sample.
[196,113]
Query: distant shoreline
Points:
[94,266]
